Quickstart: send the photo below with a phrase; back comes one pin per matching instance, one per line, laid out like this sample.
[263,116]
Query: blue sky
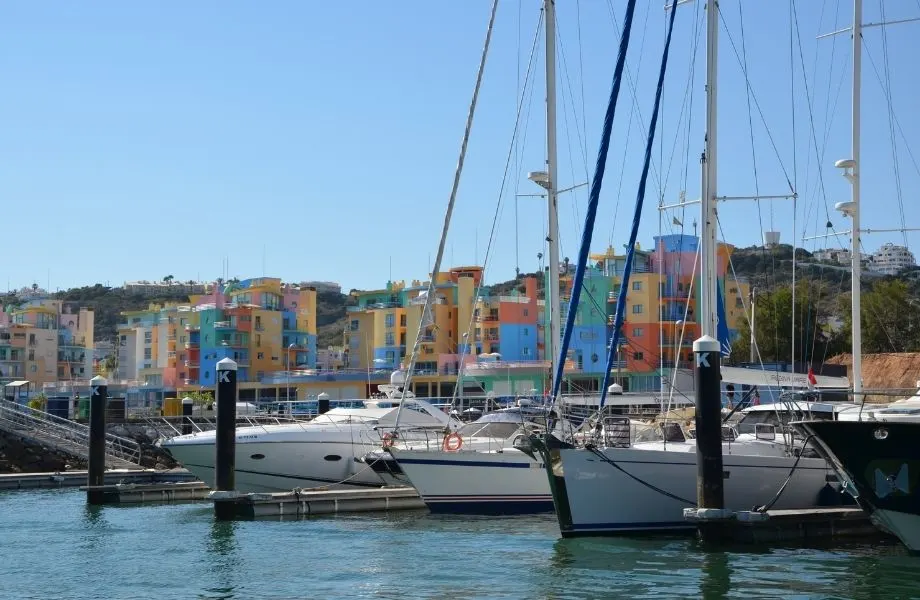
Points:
[319,139]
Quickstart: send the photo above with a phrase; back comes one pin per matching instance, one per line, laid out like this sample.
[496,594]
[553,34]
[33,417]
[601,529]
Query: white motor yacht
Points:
[325,452]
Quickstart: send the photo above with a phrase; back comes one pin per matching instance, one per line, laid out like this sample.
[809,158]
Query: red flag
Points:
[812,380]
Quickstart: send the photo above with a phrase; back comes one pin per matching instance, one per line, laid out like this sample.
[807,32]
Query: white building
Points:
[841,256]
[891,259]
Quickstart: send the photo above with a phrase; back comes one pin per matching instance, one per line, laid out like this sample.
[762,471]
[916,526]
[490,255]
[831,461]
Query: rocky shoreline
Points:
[19,455]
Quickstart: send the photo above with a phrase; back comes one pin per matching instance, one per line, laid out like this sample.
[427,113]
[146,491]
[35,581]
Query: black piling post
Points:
[99,396]
[225,476]
[710,492]
[187,405]
[322,403]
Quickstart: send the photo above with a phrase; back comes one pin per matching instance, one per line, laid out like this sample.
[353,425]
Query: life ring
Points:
[452,442]
[388,440]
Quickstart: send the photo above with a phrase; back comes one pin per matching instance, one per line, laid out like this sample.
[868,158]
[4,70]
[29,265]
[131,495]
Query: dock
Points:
[236,505]
[25,481]
[142,493]
[753,527]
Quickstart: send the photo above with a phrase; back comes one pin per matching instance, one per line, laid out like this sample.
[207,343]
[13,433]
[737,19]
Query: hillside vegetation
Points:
[891,306]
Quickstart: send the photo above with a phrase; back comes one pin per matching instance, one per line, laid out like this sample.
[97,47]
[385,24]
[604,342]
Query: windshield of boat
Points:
[500,424]
[750,420]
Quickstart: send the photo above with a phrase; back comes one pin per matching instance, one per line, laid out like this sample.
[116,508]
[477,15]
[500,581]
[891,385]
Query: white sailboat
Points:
[485,474]
[613,486]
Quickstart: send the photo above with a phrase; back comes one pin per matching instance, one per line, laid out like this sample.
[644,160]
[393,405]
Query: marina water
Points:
[54,546]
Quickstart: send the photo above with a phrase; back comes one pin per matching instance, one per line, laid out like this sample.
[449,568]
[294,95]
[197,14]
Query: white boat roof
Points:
[802,406]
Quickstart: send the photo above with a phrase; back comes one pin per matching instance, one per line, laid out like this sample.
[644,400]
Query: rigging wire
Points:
[470,344]
[416,347]
[640,197]
[747,83]
[891,129]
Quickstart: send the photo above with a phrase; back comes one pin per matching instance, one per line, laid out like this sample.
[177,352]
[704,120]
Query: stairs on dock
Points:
[65,436]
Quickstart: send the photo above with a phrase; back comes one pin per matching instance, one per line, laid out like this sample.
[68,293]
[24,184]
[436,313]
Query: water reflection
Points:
[95,527]
[715,579]
[223,561]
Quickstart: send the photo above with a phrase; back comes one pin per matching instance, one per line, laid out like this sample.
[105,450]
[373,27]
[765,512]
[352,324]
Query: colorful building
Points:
[262,324]
[44,340]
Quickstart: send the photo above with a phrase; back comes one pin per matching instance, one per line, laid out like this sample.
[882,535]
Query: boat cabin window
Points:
[501,430]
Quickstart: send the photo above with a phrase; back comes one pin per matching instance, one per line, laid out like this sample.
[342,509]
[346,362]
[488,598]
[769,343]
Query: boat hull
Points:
[284,465]
[483,483]
[879,463]
[626,490]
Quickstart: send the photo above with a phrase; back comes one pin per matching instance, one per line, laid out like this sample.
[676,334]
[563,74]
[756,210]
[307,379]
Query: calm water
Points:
[53,546]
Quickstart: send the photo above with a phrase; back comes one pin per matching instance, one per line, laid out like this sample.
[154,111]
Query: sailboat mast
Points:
[854,209]
[552,295]
[708,294]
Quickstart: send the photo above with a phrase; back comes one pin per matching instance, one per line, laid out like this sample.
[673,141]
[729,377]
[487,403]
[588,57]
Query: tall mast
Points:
[854,208]
[708,313]
[552,299]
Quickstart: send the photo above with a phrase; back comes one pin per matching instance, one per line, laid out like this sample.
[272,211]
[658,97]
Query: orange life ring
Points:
[452,442]
[388,440]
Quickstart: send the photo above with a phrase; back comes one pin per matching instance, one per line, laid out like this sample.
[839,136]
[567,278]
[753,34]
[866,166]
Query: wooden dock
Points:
[142,493]
[24,481]
[781,525]
[236,505]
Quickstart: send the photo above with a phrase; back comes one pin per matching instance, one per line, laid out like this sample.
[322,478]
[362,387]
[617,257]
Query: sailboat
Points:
[478,469]
[612,485]
[878,461]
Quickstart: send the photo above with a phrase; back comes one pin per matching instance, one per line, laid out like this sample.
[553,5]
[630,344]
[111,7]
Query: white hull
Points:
[600,498]
[286,464]
[507,482]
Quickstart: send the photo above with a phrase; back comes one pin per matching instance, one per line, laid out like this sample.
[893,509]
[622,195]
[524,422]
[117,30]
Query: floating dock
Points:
[781,525]
[140,493]
[236,505]
[24,481]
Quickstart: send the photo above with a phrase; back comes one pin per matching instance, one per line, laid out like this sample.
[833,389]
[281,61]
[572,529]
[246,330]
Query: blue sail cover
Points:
[640,197]
[593,199]
[725,339]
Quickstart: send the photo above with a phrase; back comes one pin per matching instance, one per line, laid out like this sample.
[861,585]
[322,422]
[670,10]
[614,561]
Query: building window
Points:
[526,312]
[402,320]
[637,285]
[354,324]
[391,356]
[390,339]
[390,319]
[637,332]
[526,332]
[260,355]
[147,353]
[148,337]
[637,309]
[525,352]
[31,354]
[637,356]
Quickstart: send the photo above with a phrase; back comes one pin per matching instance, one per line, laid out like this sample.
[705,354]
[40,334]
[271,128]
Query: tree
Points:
[890,318]
[168,279]
[200,399]
[814,336]
[39,401]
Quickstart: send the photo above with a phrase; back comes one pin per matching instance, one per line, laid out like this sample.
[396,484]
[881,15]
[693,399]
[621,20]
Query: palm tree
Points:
[168,279]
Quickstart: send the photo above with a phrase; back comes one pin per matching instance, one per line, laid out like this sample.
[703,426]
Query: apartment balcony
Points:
[223,325]
[192,364]
[426,339]
[193,328]
[491,338]
[188,381]
[489,318]
[190,345]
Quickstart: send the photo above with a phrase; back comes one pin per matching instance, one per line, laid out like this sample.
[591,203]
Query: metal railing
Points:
[65,435]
